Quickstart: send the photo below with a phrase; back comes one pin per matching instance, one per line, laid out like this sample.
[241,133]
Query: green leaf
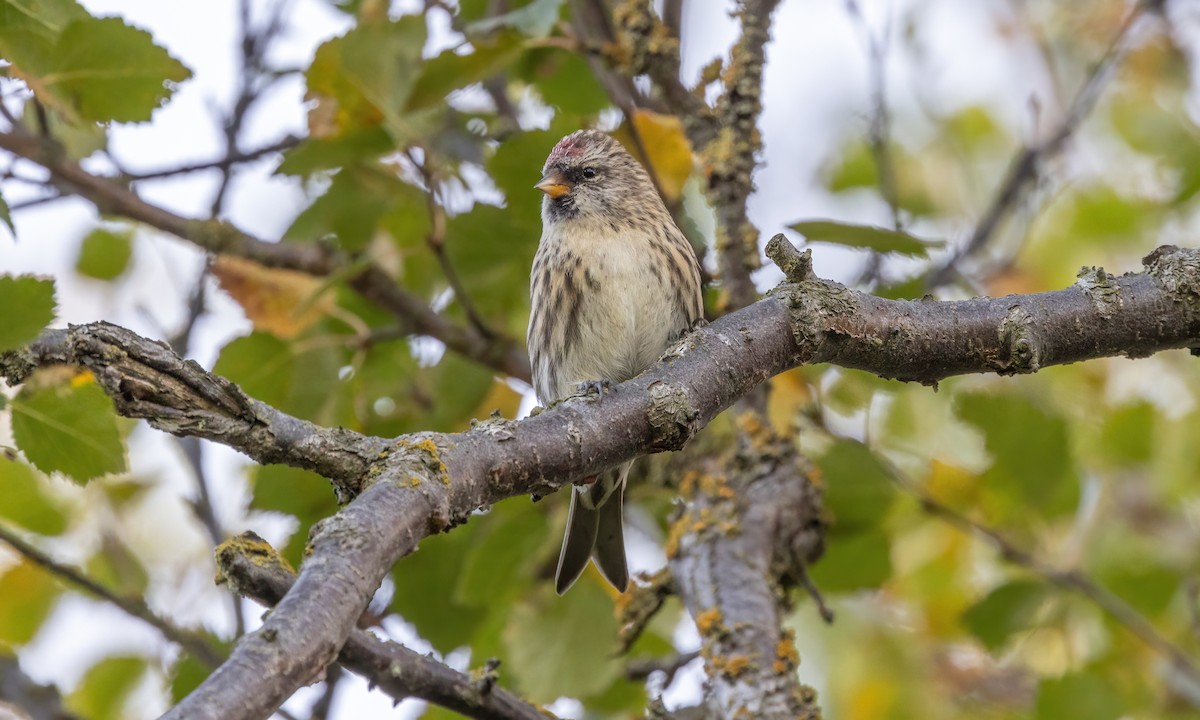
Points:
[450,71]
[536,19]
[305,495]
[79,139]
[26,500]
[1008,609]
[858,487]
[27,596]
[69,428]
[1147,587]
[1127,436]
[1079,696]
[117,568]
[261,364]
[354,205]
[460,385]
[865,236]
[432,572]
[855,169]
[110,71]
[854,562]
[30,308]
[29,31]
[566,81]
[104,254]
[369,72]
[6,216]
[106,687]
[1030,449]
[496,274]
[186,676]
[507,554]
[563,645]
[354,146]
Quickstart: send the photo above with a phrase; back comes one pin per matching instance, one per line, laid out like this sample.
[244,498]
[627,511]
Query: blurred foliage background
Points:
[1000,548]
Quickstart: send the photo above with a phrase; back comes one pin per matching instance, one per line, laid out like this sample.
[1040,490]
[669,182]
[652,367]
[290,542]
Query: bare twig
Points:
[502,354]
[1072,579]
[1026,167]
[19,691]
[223,164]
[641,669]
[193,644]
[436,240]
[253,80]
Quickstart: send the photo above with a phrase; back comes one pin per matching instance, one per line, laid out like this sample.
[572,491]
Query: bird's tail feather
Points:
[582,524]
[609,548]
[594,530]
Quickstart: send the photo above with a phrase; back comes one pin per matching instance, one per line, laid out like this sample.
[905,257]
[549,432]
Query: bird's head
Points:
[588,175]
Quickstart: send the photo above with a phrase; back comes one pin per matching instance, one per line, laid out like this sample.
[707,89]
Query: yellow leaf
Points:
[281,302]
[789,394]
[669,151]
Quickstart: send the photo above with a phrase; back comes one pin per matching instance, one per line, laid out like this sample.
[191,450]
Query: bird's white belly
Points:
[624,321]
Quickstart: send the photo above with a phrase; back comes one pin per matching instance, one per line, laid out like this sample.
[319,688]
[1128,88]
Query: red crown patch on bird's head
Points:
[571,147]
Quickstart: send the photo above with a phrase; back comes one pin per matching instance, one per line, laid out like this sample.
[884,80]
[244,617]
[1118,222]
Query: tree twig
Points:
[502,354]
[234,158]
[1072,579]
[193,644]
[436,240]
[1026,166]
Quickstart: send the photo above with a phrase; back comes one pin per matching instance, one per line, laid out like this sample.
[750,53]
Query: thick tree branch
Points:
[110,197]
[255,570]
[425,483]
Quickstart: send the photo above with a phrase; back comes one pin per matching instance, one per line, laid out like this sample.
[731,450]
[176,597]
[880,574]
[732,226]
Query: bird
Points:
[614,283]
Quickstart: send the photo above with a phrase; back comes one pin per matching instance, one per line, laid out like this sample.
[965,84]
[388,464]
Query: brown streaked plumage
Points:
[614,282]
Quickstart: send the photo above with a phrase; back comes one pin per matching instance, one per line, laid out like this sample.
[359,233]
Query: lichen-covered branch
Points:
[420,484]
[729,160]
[253,569]
[751,528]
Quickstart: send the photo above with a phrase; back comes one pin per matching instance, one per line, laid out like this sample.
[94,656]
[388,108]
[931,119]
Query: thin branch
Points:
[18,690]
[224,163]
[253,80]
[333,677]
[1074,580]
[642,669]
[254,569]
[1026,167]
[734,157]
[190,642]
[436,240]
[879,134]
[406,488]
[110,197]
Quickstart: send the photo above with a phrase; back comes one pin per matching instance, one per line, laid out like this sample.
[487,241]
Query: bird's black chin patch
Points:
[562,208]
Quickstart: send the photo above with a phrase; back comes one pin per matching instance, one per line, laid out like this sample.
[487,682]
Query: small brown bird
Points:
[614,282]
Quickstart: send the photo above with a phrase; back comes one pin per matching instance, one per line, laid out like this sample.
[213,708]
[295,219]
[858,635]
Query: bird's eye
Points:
[589,172]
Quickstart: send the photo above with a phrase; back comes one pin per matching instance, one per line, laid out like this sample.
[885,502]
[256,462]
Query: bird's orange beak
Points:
[554,184]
